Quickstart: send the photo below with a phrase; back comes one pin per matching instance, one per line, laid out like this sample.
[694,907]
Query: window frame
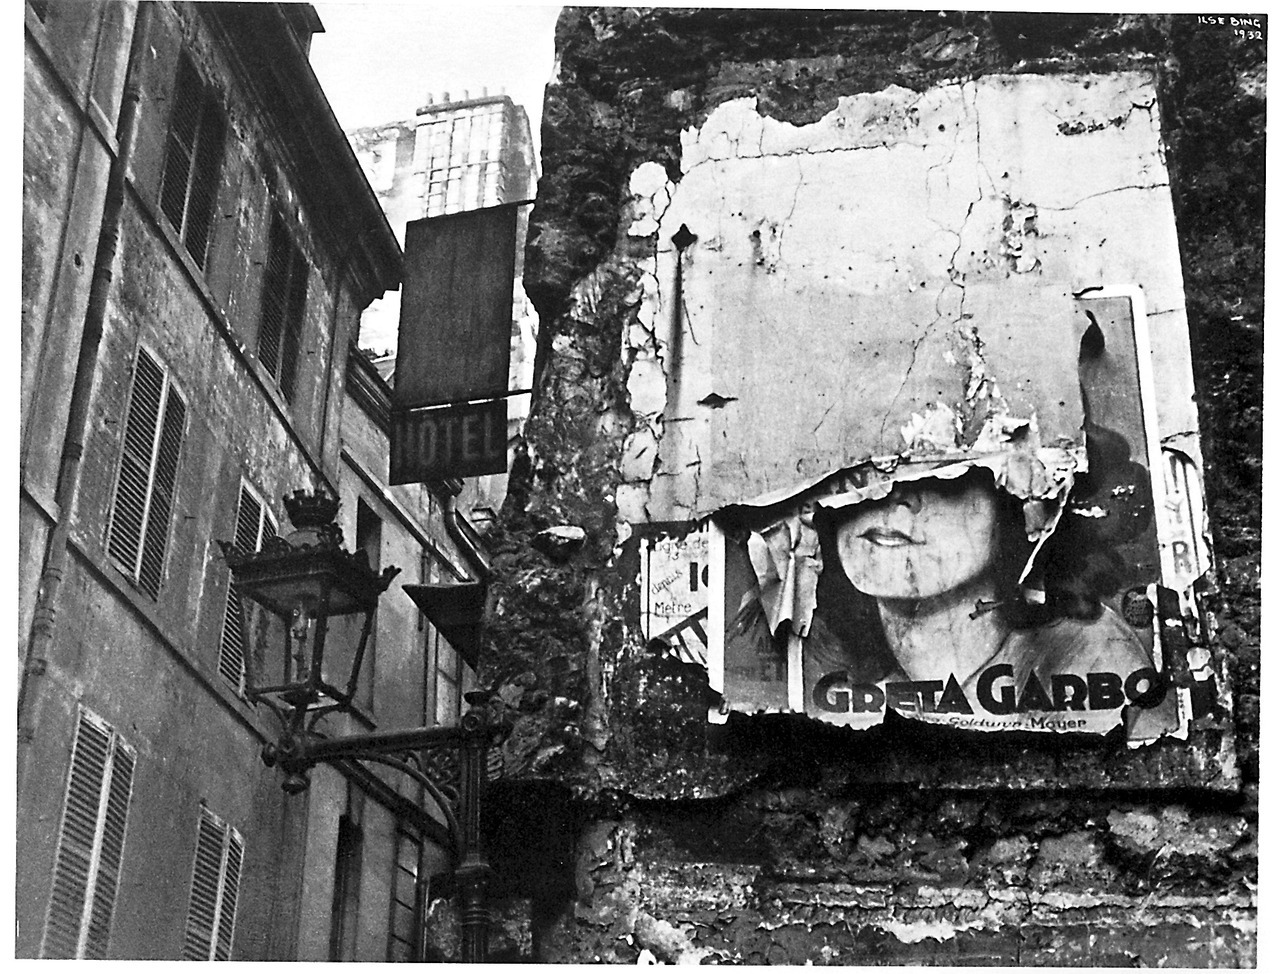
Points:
[461,159]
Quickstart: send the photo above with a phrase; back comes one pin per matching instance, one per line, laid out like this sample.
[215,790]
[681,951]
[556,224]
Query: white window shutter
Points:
[108,878]
[254,527]
[215,887]
[133,483]
[163,483]
[230,893]
[86,869]
[231,650]
[147,479]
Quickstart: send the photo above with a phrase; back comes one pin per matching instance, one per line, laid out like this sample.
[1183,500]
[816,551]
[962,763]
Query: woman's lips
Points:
[887,537]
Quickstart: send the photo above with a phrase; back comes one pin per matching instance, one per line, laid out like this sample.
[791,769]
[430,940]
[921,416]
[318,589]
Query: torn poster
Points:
[983,589]
[928,352]
[674,573]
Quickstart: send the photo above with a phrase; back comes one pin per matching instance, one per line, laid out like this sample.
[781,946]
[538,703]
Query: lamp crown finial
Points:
[311,509]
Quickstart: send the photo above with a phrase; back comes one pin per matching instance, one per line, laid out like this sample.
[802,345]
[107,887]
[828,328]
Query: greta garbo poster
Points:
[918,372]
[1006,585]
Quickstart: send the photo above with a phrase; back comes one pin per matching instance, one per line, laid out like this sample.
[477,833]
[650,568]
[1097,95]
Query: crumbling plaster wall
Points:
[796,844]
[896,260]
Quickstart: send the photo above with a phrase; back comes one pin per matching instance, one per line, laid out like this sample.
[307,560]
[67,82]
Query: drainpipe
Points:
[474,871]
[44,616]
[453,524]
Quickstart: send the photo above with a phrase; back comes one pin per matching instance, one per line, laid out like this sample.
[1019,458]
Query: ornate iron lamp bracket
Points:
[427,755]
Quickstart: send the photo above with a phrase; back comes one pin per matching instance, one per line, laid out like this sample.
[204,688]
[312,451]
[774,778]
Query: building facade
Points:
[199,242]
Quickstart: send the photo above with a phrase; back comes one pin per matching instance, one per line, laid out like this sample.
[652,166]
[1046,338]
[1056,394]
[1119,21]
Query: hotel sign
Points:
[459,440]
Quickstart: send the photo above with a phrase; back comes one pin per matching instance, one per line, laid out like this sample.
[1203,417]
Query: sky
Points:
[379,60]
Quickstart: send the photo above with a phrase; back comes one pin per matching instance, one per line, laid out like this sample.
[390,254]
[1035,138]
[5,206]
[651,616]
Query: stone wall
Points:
[772,839]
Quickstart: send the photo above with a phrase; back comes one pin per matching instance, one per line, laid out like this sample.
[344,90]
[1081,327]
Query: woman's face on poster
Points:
[925,539]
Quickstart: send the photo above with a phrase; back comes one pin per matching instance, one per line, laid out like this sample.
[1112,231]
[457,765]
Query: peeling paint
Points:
[915,931]
[989,212]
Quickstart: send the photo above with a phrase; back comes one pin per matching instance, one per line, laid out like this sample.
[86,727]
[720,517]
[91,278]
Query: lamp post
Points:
[306,580]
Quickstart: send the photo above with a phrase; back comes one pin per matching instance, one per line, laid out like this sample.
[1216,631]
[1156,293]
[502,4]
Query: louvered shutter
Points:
[202,911]
[284,300]
[90,844]
[143,501]
[230,893]
[405,934]
[297,305]
[108,878]
[184,122]
[231,650]
[193,157]
[215,887]
[133,484]
[204,182]
[275,299]
[254,526]
[256,639]
[168,449]
[271,327]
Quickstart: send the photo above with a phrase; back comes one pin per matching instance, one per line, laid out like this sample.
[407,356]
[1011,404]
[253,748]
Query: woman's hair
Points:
[1081,563]
[1077,566]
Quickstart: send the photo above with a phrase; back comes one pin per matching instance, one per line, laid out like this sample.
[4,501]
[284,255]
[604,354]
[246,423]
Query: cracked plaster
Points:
[889,283]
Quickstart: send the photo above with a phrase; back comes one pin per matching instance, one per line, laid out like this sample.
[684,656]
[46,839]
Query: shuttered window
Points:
[143,501]
[215,885]
[86,869]
[254,526]
[192,159]
[284,301]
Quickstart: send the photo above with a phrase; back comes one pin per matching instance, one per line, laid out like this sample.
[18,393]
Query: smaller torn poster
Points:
[674,573]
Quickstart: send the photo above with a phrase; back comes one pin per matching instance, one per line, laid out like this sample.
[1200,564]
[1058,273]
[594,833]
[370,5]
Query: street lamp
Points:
[306,580]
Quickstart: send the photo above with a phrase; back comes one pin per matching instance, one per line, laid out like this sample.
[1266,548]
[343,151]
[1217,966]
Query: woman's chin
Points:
[917,591]
[891,592]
